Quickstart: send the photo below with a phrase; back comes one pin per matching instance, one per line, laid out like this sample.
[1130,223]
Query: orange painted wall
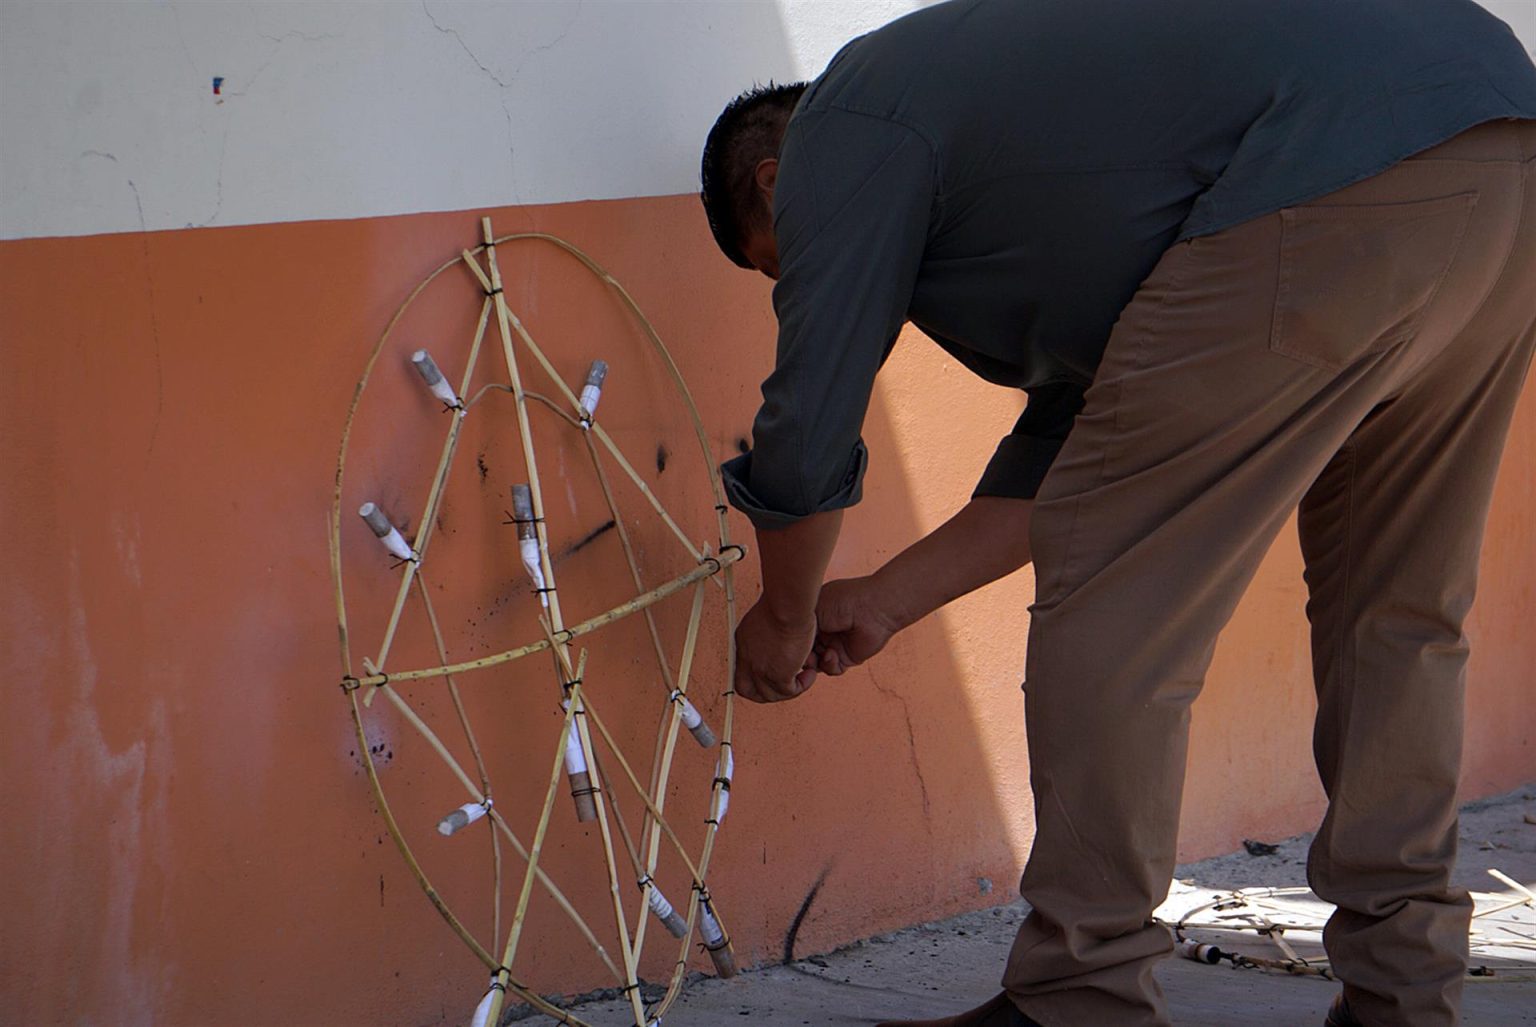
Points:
[186,829]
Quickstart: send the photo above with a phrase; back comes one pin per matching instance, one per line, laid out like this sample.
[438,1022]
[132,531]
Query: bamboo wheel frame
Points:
[637,853]
[1270,913]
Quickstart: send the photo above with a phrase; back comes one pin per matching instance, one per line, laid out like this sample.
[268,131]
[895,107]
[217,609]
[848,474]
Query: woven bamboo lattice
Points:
[602,780]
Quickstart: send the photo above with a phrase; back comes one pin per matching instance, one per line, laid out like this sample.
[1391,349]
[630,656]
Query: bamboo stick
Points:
[651,897]
[579,714]
[597,429]
[727,749]
[556,620]
[682,852]
[711,565]
[334,534]
[434,496]
[333,544]
[650,620]
[1503,878]
[454,766]
[656,808]
[474,749]
[521,910]
[712,830]
[405,850]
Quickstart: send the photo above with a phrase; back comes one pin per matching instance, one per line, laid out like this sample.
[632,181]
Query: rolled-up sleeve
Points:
[1023,456]
[852,208]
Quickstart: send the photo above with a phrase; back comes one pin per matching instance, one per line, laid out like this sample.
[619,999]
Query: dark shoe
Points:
[1339,1014]
[997,1013]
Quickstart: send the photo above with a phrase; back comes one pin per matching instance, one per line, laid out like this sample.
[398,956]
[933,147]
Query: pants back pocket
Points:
[1356,280]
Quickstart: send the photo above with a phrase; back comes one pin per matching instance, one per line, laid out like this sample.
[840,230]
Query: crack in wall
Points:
[508,82]
[462,45]
[917,767]
[218,183]
[149,286]
[308,37]
[246,88]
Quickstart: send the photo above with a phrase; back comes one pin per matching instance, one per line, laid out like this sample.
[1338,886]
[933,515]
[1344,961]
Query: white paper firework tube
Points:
[529,548]
[433,376]
[482,1017]
[663,909]
[715,941]
[592,391]
[693,720]
[1198,952]
[386,532]
[462,817]
[528,538]
[577,774]
[727,771]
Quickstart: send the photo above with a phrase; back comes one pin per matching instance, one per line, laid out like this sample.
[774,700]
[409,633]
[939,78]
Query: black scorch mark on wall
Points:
[586,540]
[661,457]
[805,907]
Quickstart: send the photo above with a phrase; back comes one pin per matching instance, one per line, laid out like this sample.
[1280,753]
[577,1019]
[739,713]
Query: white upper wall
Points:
[344,109]
[108,121]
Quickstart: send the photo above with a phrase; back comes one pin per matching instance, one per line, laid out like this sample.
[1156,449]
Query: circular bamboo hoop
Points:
[637,855]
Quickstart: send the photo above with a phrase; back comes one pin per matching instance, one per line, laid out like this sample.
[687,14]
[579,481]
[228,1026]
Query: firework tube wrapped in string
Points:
[462,817]
[592,391]
[663,909]
[528,538]
[715,942]
[576,771]
[433,376]
[386,532]
[693,720]
[482,1017]
[727,771]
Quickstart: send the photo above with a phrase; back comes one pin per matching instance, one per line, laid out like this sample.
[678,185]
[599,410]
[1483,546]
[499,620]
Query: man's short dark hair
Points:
[748,132]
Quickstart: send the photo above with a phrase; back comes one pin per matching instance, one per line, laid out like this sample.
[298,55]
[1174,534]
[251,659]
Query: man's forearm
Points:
[988,539]
[794,561]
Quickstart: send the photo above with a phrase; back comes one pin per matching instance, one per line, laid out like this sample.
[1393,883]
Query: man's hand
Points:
[773,659]
[854,621]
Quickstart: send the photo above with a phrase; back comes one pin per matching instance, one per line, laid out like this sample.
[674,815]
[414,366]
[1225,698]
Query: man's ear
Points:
[764,176]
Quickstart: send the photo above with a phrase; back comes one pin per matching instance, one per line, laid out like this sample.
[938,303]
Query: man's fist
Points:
[853,622]
[773,659]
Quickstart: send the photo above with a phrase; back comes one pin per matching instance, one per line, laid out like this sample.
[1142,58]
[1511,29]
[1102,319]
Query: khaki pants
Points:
[1360,356]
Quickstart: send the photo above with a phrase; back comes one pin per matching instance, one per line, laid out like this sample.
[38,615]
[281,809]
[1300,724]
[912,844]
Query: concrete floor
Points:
[941,968]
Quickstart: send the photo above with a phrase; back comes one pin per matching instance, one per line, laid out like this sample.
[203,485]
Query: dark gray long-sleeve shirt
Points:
[1005,173]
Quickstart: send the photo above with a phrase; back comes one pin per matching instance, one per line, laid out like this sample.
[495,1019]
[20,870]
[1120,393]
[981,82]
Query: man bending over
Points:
[1243,257]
